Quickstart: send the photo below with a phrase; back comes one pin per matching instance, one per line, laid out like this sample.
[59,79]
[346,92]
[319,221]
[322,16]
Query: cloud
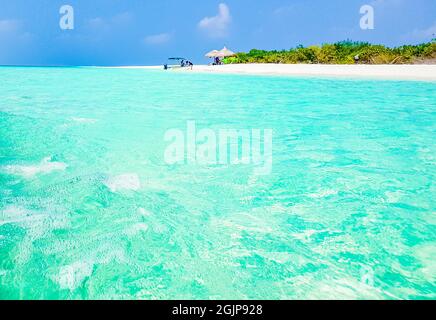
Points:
[426,34]
[123,18]
[97,23]
[15,41]
[157,39]
[285,10]
[13,30]
[217,26]
[120,20]
[9,25]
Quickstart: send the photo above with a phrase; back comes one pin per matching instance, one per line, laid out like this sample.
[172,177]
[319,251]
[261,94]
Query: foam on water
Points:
[29,171]
[136,229]
[71,276]
[37,222]
[144,212]
[128,181]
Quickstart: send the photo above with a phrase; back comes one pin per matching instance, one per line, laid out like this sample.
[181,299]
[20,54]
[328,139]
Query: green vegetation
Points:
[341,53]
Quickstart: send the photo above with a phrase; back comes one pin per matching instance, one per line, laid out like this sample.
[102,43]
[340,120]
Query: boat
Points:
[181,63]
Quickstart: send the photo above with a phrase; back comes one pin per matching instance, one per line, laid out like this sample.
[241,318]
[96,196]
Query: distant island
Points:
[343,52]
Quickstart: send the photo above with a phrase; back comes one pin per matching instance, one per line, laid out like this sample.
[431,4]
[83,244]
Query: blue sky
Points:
[143,32]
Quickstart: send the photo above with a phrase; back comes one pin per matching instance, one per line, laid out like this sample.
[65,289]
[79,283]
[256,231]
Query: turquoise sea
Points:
[90,210]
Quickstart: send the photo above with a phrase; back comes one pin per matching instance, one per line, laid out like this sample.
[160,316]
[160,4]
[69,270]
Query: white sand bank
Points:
[400,72]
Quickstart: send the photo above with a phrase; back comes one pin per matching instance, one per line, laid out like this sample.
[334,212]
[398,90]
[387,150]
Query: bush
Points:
[342,52]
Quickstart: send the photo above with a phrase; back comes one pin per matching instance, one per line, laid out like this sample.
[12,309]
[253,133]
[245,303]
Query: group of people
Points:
[183,63]
[217,61]
[186,63]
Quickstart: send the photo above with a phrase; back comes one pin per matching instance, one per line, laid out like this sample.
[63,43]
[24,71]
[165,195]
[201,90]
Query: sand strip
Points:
[399,72]
[395,72]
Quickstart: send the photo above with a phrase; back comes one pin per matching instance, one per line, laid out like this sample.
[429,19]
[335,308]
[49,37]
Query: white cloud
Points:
[13,30]
[423,34]
[97,23]
[157,39]
[9,25]
[14,40]
[217,26]
[118,21]
[123,18]
[285,10]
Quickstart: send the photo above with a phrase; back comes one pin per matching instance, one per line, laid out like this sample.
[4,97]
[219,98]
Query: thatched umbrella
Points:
[224,52]
[212,54]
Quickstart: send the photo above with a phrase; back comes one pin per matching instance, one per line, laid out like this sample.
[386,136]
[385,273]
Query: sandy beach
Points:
[400,72]
[419,72]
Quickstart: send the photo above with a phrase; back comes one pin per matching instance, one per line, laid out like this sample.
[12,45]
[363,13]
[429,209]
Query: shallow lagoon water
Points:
[90,210]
